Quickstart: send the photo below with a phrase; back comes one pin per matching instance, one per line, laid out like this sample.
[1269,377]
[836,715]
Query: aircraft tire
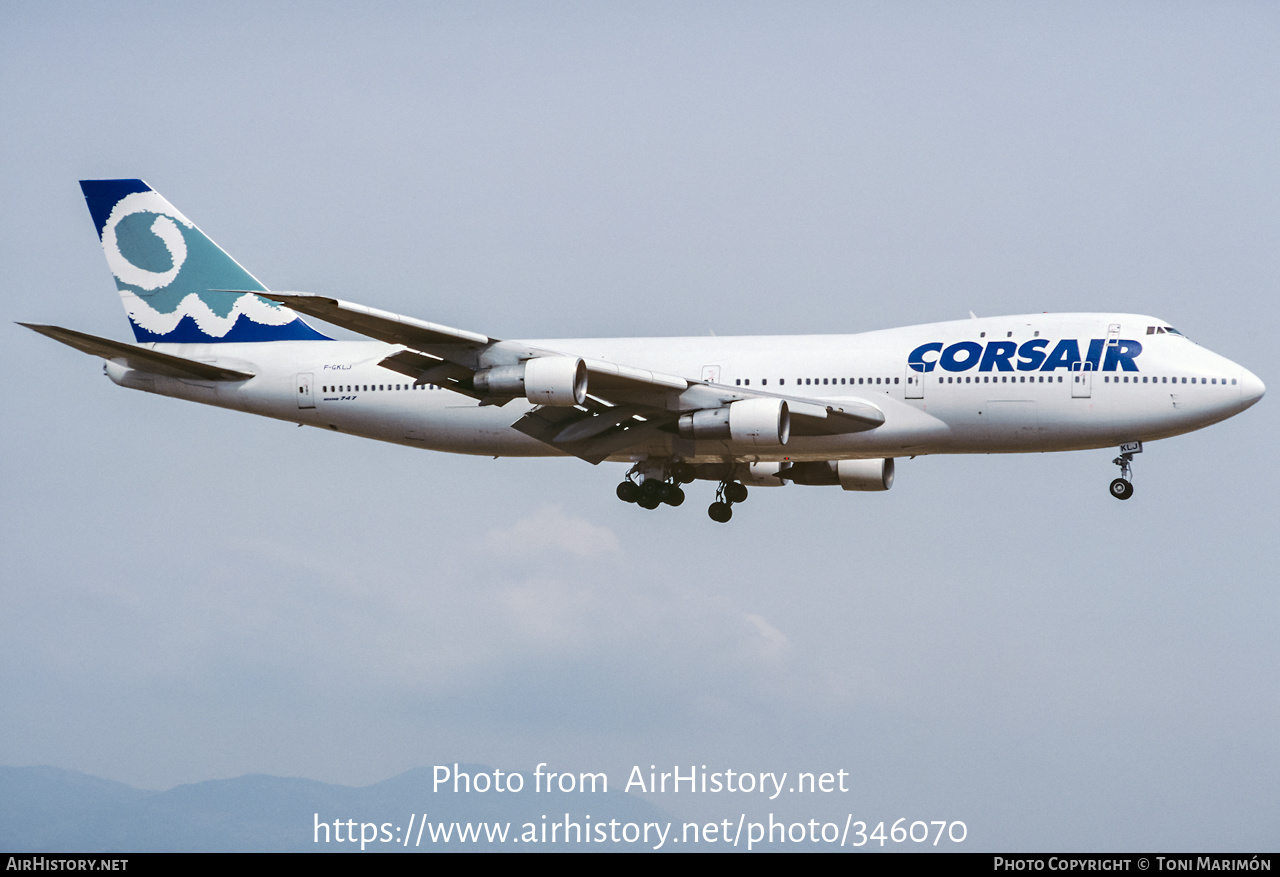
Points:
[627,491]
[648,501]
[1121,489]
[674,497]
[720,512]
[735,491]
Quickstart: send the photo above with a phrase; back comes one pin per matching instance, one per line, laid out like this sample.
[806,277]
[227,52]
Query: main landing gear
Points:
[651,483]
[650,493]
[650,489]
[728,493]
[1122,487]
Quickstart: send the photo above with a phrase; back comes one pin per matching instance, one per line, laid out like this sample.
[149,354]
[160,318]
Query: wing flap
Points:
[590,435]
[431,370]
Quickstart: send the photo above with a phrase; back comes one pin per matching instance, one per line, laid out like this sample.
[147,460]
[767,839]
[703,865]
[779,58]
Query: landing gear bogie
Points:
[649,492]
[728,493]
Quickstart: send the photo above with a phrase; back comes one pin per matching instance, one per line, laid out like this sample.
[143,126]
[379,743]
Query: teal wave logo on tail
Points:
[173,278]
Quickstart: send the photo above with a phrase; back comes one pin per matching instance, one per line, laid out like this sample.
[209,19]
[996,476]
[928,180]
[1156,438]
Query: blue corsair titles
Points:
[748,411]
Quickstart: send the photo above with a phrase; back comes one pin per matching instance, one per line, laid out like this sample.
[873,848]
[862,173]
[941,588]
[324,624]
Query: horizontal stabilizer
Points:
[139,357]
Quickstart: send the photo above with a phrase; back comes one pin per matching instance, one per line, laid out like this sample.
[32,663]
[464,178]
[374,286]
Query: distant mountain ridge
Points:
[50,810]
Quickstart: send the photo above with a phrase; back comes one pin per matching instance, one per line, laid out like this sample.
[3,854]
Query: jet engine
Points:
[849,474]
[546,380]
[758,422]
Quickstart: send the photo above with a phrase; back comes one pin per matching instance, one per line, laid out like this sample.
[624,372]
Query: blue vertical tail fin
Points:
[174,279]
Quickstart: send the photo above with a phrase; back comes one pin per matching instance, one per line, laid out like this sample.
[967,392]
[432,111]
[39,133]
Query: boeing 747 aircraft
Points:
[758,411]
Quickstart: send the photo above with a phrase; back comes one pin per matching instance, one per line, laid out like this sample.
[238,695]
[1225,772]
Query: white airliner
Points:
[759,410]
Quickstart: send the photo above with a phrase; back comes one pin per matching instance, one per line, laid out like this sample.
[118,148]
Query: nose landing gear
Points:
[1122,487]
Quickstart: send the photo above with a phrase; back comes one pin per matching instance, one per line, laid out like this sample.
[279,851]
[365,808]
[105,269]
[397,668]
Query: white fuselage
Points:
[1045,382]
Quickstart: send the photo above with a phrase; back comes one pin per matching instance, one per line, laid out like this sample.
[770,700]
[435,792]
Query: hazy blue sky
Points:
[190,593]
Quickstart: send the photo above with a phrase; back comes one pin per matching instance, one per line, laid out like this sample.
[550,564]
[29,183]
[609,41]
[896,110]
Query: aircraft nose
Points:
[1251,389]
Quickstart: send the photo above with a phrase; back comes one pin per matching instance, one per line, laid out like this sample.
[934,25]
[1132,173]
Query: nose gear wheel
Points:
[1122,487]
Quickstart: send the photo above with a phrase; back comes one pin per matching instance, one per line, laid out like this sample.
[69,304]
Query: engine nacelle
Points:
[865,474]
[761,474]
[547,380]
[756,422]
[849,474]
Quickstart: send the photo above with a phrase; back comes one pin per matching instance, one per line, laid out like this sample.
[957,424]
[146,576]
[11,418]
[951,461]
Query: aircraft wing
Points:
[625,405]
[139,357]
[457,347]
